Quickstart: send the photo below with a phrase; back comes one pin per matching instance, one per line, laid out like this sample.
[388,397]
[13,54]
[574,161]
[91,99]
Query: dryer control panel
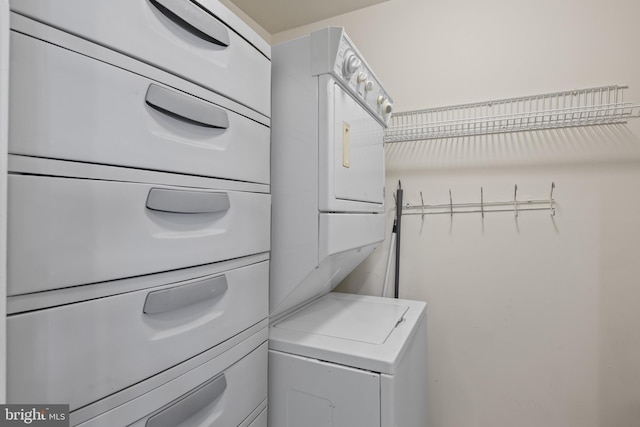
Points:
[346,63]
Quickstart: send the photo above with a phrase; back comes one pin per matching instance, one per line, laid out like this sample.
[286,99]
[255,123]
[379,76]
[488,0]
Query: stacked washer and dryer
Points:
[334,359]
[138,212]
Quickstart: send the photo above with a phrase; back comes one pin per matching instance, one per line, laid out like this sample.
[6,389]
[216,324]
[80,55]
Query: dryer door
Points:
[354,157]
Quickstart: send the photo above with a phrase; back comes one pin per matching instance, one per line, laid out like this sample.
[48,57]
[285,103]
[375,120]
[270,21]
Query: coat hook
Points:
[552,207]
[482,201]
[450,204]
[422,201]
[515,200]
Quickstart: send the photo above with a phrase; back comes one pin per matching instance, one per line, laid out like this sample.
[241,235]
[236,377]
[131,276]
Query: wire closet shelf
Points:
[584,107]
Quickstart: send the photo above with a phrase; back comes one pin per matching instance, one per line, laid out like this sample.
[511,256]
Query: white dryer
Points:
[335,359]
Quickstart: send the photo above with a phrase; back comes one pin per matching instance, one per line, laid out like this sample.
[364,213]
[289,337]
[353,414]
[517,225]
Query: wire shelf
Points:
[584,107]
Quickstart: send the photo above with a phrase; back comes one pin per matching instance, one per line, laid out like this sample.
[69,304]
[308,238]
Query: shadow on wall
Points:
[578,145]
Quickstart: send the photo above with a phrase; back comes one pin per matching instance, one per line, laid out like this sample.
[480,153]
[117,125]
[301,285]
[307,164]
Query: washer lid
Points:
[354,320]
[354,330]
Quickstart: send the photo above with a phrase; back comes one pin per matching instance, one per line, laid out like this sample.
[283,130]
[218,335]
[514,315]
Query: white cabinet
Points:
[139,213]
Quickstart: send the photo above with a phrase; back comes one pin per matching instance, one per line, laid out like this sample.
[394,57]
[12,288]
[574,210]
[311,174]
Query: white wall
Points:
[535,322]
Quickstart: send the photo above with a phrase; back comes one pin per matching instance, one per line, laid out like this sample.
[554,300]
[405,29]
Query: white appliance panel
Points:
[327,342]
[349,232]
[310,393]
[73,231]
[350,179]
[124,339]
[317,239]
[321,280]
[178,36]
[358,152]
[294,173]
[353,320]
[331,52]
[90,111]
[406,390]
[342,331]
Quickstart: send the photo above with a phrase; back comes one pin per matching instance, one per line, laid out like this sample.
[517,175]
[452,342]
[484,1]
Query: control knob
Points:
[368,86]
[386,105]
[362,76]
[351,64]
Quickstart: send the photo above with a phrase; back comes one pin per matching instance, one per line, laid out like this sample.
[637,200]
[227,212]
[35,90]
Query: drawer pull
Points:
[194,19]
[186,108]
[182,296]
[187,202]
[187,406]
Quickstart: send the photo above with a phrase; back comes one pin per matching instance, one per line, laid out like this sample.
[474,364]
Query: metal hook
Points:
[482,201]
[515,200]
[450,204]
[552,207]
[422,201]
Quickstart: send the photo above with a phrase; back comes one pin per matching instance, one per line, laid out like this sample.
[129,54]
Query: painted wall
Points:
[533,322]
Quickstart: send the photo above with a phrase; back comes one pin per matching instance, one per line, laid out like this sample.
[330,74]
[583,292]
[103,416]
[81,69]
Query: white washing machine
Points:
[334,359]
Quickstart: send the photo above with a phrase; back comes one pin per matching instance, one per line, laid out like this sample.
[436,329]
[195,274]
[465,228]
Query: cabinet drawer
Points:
[196,45]
[64,105]
[224,394]
[124,339]
[71,231]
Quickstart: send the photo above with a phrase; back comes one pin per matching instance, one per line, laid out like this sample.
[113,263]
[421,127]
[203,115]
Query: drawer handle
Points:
[187,406]
[182,296]
[186,108]
[187,202]
[194,19]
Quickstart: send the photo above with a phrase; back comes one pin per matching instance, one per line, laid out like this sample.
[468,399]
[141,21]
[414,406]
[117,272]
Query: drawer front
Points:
[242,387]
[195,46]
[70,231]
[67,106]
[224,394]
[124,339]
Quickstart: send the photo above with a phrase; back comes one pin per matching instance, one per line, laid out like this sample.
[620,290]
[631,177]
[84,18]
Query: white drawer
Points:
[192,47]
[219,393]
[67,106]
[126,338]
[71,231]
